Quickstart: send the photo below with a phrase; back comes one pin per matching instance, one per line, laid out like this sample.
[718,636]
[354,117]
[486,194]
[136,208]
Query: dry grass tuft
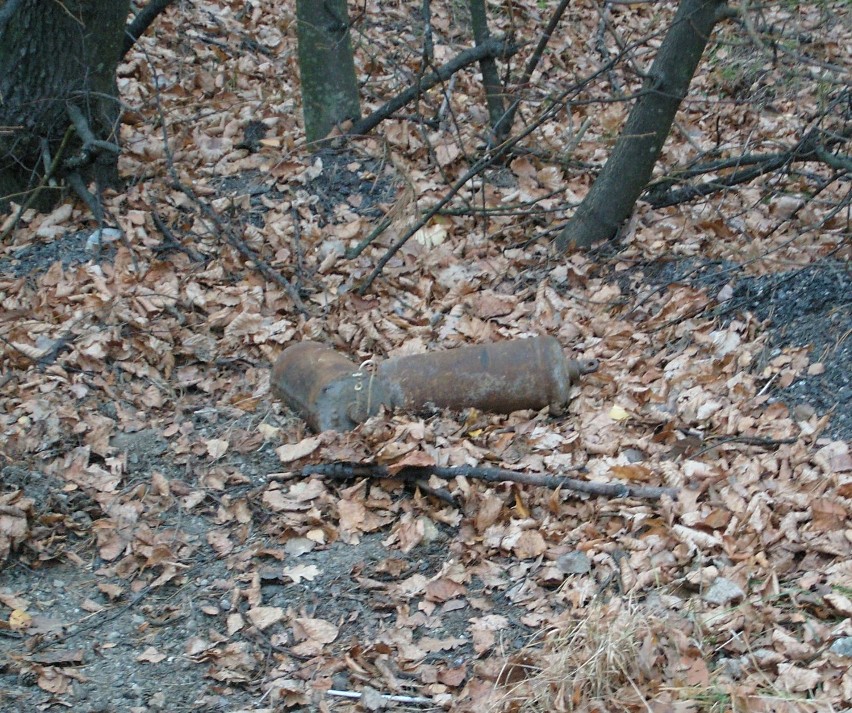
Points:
[596,663]
[623,656]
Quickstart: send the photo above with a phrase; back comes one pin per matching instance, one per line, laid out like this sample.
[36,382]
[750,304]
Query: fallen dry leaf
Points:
[264,617]
[294,451]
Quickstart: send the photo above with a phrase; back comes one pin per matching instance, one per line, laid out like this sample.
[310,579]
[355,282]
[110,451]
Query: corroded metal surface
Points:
[325,388]
[501,377]
[330,392]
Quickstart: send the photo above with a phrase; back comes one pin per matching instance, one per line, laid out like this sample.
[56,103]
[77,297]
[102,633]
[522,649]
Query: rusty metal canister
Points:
[501,377]
[325,388]
[331,392]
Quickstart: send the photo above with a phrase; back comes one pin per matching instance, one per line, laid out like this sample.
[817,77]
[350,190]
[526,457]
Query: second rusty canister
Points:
[325,388]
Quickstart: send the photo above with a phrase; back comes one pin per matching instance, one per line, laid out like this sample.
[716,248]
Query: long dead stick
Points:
[492,475]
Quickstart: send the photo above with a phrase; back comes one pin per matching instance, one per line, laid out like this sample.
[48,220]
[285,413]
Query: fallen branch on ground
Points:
[815,146]
[213,219]
[491,475]
[756,441]
[171,242]
[242,247]
[141,22]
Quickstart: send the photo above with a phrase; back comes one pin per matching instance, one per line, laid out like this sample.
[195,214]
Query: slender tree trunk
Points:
[58,61]
[326,67]
[613,195]
[490,77]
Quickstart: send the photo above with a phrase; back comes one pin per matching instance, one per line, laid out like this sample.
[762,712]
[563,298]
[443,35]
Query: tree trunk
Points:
[58,60]
[326,67]
[490,78]
[626,173]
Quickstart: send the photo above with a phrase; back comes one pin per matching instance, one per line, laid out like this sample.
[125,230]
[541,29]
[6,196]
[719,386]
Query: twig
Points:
[385,696]
[492,475]
[141,22]
[731,305]
[754,440]
[509,117]
[42,183]
[375,233]
[810,148]
[487,160]
[211,215]
[556,105]
[748,440]
[297,246]
[109,616]
[477,168]
[493,47]
[47,355]
[440,493]
[171,241]
[345,471]
[241,247]
[768,384]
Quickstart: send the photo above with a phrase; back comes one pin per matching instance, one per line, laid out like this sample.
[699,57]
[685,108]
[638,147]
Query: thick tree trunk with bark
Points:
[326,67]
[613,195]
[57,79]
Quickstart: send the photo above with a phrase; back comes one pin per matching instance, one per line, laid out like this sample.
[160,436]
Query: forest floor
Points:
[160,549]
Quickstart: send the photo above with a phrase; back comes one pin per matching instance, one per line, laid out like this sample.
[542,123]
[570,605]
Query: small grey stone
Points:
[372,700]
[732,668]
[574,563]
[633,455]
[723,591]
[842,646]
[157,701]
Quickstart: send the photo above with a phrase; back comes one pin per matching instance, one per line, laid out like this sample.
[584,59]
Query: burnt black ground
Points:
[804,307]
[810,307]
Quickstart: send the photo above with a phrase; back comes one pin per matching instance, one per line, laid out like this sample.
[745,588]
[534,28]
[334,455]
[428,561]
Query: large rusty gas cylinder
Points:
[331,392]
[501,377]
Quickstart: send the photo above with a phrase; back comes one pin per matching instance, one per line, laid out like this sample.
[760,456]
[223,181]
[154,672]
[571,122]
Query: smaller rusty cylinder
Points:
[501,377]
[325,388]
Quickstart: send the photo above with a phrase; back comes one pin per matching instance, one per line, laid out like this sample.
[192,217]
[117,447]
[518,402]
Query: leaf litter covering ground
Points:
[161,551]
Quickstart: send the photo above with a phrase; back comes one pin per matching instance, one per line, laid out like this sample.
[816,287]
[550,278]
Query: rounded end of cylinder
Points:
[587,366]
[579,367]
